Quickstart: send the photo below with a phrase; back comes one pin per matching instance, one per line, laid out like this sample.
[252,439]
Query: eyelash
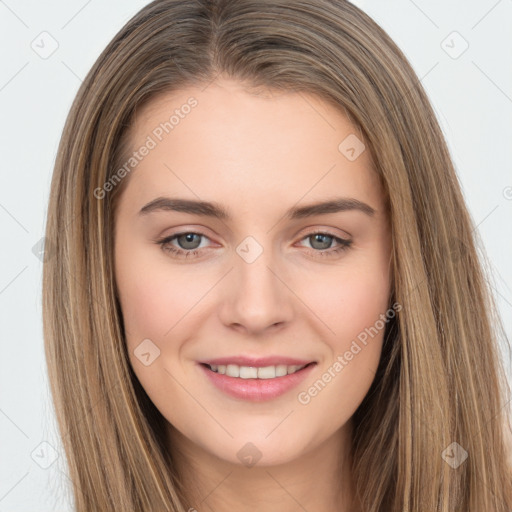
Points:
[344,244]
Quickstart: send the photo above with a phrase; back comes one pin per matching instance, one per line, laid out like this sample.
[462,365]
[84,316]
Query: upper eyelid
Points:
[327,232]
[306,230]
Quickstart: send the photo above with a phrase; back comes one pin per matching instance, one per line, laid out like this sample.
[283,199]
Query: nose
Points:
[257,296]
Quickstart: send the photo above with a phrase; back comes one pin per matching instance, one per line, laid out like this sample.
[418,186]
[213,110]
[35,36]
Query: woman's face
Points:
[255,276]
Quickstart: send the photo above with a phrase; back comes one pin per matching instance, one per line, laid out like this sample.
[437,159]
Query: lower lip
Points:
[257,390]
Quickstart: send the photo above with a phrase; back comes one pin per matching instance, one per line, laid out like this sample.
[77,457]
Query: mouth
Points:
[257,383]
[254,372]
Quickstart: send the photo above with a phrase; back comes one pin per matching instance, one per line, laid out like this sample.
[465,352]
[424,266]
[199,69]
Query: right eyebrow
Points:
[210,209]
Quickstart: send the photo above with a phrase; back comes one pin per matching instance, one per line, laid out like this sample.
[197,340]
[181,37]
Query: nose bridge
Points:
[255,278]
[257,298]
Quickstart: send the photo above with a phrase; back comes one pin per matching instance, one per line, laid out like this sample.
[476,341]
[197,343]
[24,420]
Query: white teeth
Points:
[281,370]
[232,370]
[248,372]
[251,372]
[267,372]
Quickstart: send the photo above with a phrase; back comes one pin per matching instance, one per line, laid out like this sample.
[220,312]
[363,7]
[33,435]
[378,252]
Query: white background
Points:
[471,94]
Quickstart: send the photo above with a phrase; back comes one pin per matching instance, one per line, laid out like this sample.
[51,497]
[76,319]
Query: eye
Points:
[189,244]
[321,243]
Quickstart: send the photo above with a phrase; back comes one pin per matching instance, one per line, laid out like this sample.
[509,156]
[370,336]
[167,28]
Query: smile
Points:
[251,372]
[255,384]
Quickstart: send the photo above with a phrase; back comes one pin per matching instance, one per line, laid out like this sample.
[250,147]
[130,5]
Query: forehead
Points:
[227,143]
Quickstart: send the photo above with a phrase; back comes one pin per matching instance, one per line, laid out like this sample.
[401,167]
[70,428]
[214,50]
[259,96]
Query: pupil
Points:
[323,239]
[188,238]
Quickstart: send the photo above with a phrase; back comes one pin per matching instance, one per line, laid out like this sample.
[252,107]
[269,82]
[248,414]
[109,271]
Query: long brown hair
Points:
[440,379]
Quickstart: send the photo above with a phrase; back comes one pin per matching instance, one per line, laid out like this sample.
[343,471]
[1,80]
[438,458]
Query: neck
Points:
[319,479]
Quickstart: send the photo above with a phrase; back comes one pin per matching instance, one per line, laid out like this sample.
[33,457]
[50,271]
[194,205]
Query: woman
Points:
[328,344]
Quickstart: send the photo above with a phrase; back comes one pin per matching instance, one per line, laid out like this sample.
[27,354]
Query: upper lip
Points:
[257,362]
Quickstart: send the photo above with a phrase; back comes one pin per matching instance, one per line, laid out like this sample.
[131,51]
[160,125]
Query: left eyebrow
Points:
[215,210]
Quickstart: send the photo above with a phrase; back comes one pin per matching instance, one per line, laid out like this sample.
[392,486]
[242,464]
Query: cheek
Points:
[352,311]
[154,298]
[351,305]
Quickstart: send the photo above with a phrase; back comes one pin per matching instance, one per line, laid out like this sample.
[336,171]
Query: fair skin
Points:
[257,157]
